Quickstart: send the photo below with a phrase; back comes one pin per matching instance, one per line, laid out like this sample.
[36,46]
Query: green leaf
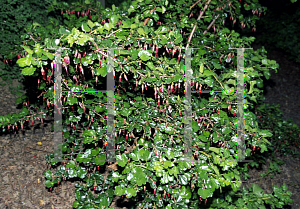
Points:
[75,204]
[85,27]
[205,193]
[133,26]
[185,178]
[29,51]
[81,172]
[265,133]
[23,62]
[165,178]
[126,112]
[101,71]
[201,68]
[214,149]
[267,74]
[107,26]
[157,167]
[131,192]
[150,65]
[49,55]
[131,9]
[169,154]
[100,160]
[119,191]
[140,177]
[64,31]
[90,23]
[195,126]
[185,192]
[115,176]
[48,174]
[71,164]
[144,55]
[72,173]
[28,71]
[122,160]
[208,72]
[146,156]
[252,83]
[257,190]
[71,100]
[264,62]
[114,19]
[49,184]
[141,31]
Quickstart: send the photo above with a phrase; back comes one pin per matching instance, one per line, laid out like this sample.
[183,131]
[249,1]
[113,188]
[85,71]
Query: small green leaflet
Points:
[90,23]
[208,72]
[141,31]
[28,50]
[85,27]
[28,71]
[23,62]
[201,68]
[114,19]
[144,55]
[64,31]
[251,86]
[133,26]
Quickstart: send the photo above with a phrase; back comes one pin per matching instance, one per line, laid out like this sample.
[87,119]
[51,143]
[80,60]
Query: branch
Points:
[212,22]
[32,38]
[112,33]
[152,10]
[41,94]
[193,31]
[194,4]
[215,77]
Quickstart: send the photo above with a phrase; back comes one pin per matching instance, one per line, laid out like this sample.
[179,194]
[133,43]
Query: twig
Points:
[193,31]
[140,73]
[32,38]
[152,10]
[213,49]
[194,4]
[112,33]
[221,57]
[215,77]
[41,94]
[211,24]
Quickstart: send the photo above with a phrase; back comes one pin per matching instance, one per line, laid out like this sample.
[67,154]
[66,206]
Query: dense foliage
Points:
[15,17]
[149,102]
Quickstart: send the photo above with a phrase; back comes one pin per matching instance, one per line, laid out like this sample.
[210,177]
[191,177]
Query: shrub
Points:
[150,103]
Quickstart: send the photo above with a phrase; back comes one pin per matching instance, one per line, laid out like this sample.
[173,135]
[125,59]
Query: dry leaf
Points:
[113,166]
[42,202]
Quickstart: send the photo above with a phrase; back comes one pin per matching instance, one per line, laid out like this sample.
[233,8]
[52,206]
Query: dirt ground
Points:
[22,159]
